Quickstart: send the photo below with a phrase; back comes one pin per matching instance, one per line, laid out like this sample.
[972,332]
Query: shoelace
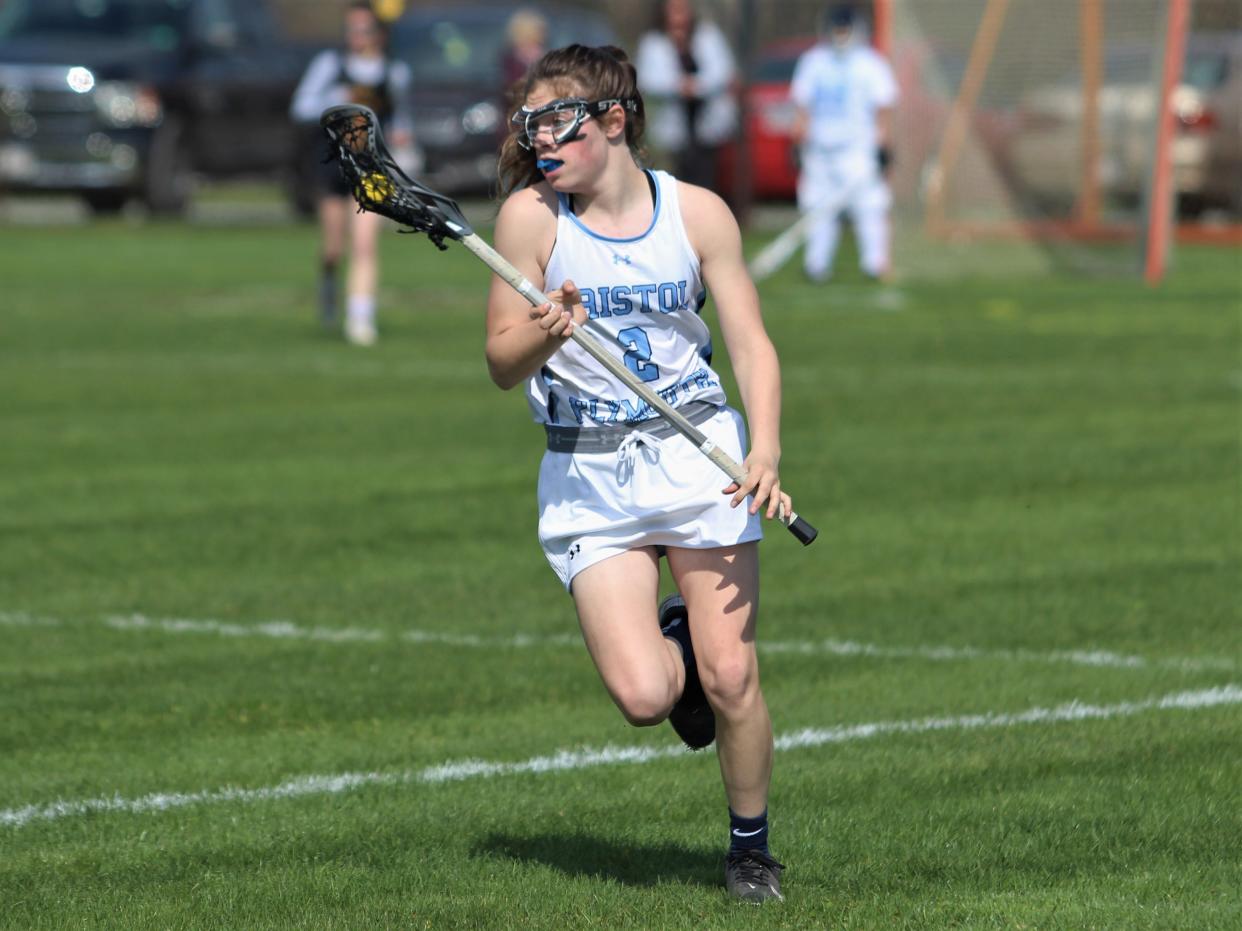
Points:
[627,451]
[753,865]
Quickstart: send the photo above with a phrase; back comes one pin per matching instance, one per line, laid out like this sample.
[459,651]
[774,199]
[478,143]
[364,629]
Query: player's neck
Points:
[619,203]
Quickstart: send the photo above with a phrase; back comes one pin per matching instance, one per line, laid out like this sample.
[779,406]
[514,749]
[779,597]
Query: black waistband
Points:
[607,439]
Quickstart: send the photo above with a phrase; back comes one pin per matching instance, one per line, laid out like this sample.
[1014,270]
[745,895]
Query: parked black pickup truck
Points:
[123,99]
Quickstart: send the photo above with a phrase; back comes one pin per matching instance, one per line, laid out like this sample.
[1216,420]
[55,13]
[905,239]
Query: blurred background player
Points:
[686,72]
[844,92]
[360,73]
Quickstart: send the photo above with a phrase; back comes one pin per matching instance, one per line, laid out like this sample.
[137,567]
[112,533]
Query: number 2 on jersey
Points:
[638,353]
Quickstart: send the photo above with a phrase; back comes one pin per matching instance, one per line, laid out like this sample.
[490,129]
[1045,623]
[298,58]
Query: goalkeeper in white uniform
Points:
[629,253]
[844,92]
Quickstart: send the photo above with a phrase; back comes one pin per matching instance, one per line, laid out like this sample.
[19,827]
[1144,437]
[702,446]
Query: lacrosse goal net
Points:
[1029,135]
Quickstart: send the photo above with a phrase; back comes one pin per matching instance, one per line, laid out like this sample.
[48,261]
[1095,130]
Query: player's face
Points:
[568,144]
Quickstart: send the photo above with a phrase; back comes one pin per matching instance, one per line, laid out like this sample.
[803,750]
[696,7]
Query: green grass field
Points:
[265,597]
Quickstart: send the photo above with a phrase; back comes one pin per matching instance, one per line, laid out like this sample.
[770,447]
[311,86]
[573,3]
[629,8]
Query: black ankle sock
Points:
[327,290]
[748,833]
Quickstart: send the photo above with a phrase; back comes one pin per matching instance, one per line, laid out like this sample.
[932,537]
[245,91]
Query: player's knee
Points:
[731,684]
[644,704]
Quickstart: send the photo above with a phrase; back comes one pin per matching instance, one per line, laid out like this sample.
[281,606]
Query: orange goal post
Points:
[1044,124]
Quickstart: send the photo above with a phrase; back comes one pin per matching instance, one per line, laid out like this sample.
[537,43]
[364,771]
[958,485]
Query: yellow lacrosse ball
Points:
[376,187]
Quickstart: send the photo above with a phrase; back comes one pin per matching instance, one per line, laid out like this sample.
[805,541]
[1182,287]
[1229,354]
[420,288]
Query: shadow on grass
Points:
[629,864]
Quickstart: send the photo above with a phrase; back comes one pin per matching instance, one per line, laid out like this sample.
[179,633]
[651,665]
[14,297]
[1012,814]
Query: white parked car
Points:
[1047,147]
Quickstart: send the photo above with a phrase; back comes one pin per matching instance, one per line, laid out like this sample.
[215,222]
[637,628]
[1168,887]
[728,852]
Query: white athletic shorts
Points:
[649,492]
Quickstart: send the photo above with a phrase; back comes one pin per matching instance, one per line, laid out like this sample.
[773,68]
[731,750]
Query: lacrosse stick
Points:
[776,253]
[380,186]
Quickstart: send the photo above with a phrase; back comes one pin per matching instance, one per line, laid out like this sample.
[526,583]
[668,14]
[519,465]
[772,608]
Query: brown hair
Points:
[597,73]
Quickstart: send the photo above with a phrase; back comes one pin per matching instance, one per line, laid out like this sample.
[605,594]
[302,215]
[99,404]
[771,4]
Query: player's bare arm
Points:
[884,126]
[521,338]
[801,123]
[715,236]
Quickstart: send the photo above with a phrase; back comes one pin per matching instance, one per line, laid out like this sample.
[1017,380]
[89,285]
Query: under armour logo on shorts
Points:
[575,550]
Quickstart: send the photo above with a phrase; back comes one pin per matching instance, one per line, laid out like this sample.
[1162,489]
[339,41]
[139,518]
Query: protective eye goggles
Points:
[561,119]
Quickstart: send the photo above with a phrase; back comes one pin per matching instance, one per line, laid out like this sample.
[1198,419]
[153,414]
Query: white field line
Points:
[1102,658]
[568,760]
[21,619]
[288,630]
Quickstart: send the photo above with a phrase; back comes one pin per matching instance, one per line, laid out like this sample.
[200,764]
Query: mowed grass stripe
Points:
[565,760]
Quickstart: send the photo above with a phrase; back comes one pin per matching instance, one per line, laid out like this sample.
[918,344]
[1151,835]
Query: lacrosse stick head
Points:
[377,181]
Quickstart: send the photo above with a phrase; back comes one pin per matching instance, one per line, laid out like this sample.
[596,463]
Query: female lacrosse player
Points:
[630,252]
[363,74]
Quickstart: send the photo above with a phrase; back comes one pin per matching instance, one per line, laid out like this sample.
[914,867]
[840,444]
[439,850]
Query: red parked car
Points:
[770,118]
[920,118]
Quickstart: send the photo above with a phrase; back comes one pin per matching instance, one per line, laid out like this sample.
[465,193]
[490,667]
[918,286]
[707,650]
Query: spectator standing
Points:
[527,34]
[845,93]
[359,73]
[686,73]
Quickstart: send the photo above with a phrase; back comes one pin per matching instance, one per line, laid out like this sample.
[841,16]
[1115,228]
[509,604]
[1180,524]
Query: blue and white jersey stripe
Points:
[644,297]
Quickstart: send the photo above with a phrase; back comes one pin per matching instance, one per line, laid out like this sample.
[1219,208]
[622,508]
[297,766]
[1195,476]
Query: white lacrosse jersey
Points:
[841,90]
[644,298]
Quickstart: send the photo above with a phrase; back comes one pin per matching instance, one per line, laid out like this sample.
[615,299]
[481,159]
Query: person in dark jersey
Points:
[359,73]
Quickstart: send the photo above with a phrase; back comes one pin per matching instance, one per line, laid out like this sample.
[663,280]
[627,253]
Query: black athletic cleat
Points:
[692,717]
[753,876]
